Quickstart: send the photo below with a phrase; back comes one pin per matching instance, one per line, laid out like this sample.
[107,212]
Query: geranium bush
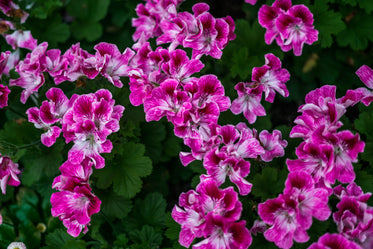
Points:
[186,124]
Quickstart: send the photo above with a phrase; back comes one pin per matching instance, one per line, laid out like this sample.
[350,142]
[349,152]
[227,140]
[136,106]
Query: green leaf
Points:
[150,211]
[147,237]
[52,30]
[88,10]
[364,124]
[153,134]
[359,31]
[113,205]
[43,160]
[364,180]
[90,31]
[327,22]
[366,5]
[41,8]
[125,171]
[350,2]
[173,228]
[121,241]
[268,184]
[60,239]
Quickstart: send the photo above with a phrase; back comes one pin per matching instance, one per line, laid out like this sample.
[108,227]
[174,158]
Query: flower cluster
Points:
[201,32]
[73,64]
[354,217]
[270,78]
[87,120]
[290,25]
[161,81]
[325,155]
[211,213]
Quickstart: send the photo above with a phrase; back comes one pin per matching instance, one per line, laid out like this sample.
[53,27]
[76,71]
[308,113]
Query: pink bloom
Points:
[31,72]
[21,39]
[49,137]
[272,144]
[4,92]
[226,235]
[272,77]
[354,219]
[88,122]
[8,173]
[312,202]
[180,67]
[54,63]
[167,100]
[248,101]
[219,165]
[73,175]
[116,64]
[204,208]
[267,16]
[75,208]
[3,61]
[296,28]
[334,241]
[281,214]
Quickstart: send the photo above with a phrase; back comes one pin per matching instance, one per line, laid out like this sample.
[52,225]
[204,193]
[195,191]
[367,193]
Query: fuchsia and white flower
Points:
[354,217]
[75,208]
[291,26]
[211,213]
[290,214]
[202,32]
[91,118]
[270,78]
[334,241]
[8,173]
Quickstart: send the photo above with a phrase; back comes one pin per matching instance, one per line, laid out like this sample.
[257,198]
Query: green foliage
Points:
[125,170]
[269,183]
[327,22]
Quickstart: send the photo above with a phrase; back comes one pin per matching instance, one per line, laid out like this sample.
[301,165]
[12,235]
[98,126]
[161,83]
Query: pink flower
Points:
[3,62]
[219,165]
[4,92]
[291,26]
[296,28]
[115,63]
[267,16]
[226,235]
[73,175]
[31,72]
[75,208]
[167,100]
[205,208]
[272,144]
[334,241]
[272,77]
[248,101]
[49,137]
[16,245]
[8,173]
[21,39]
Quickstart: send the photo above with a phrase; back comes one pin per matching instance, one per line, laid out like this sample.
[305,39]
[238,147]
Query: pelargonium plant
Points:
[252,186]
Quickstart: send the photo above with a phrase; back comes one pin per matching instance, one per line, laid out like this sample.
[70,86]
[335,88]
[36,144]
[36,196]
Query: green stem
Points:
[29,145]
